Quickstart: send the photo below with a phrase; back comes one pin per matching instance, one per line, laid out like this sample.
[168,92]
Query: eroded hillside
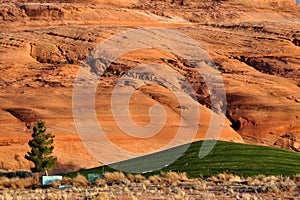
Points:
[254,44]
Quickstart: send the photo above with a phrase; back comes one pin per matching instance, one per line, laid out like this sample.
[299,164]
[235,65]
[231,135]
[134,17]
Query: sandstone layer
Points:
[253,44]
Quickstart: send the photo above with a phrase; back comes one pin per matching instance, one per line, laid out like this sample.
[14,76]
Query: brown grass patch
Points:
[297,178]
[174,178]
[130,177]
[55,184]
[155,179]
[100,182]
[138,178]
[18,183]
[114,176]
[80,180]
[225,178]
[66,181]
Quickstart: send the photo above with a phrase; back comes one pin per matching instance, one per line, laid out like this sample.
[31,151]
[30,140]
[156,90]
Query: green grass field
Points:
[240,159]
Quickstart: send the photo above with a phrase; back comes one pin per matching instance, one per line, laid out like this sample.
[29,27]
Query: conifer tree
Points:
[41,149]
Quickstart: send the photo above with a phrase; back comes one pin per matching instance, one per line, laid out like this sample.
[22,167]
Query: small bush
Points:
[297,178]
[114,176]
[174,178]
[80,180]
[286,184]
[260,177]
[100,182]
[270,187]
[55,184]
[130,177]
[155,179]
[226,178]
[66,181]
[138,178]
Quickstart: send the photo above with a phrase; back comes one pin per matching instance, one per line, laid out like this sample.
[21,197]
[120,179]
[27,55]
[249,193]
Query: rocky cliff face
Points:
[254,44]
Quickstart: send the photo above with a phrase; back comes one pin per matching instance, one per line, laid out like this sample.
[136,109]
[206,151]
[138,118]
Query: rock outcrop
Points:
[254,44]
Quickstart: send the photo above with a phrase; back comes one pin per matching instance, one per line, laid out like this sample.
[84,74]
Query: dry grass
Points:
[114,176]
[101,196]
[147,183]
[130,177]
[287,184]
[225,178]
[18,183]
[262,184]
[100,182]
[174,178]
[138,178]
[66,181]
[170,185]
[270,187]
[272,184]
[260,178]
[80,180]
[297,178]
[55,184]
[155,179]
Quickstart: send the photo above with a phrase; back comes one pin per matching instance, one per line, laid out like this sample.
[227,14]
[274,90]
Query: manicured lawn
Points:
[240,159]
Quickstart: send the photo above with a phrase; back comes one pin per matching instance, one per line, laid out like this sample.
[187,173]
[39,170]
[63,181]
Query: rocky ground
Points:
[254,44]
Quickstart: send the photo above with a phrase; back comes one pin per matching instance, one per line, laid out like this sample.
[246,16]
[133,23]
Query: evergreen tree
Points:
[41,149]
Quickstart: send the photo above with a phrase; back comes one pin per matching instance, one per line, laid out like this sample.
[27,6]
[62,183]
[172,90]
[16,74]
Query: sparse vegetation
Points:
[155,179]
[174,178]
[179,180]
[166,185]
[41,149]
[114,176]
[18,183]
[248,172]
[79,180]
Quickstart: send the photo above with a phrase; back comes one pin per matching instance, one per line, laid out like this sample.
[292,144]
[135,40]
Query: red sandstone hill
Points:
[254,44]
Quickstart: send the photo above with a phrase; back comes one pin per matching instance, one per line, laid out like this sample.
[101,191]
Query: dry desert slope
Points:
[254,44]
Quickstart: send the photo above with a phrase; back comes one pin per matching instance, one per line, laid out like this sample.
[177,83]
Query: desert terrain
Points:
[170,185]
[255,45]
